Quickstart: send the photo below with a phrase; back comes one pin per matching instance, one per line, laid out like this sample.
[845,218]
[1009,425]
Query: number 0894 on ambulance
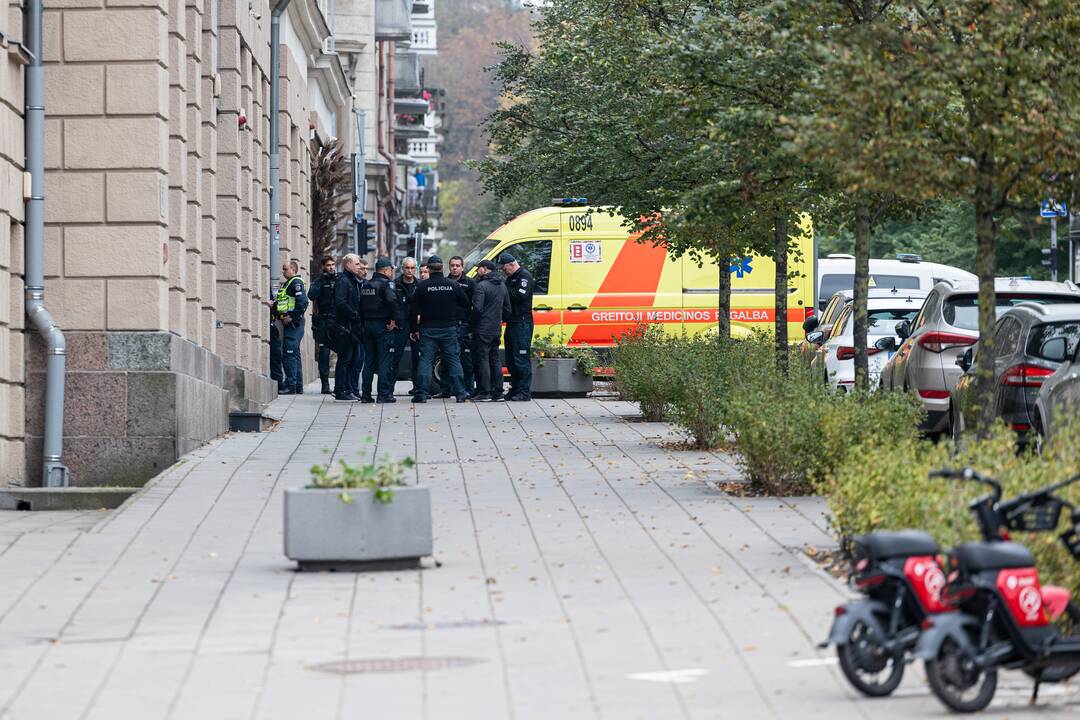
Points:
[594,282]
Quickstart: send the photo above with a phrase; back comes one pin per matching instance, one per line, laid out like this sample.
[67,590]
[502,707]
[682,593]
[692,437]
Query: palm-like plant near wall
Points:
[331,199]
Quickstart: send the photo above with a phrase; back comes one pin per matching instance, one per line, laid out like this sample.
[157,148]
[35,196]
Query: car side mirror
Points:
[887,343]
[816,337]
[903,329]
[810,323]
[965,360]
[1054,349]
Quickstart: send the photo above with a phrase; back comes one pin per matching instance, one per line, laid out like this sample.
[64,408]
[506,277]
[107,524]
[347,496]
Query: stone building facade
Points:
[156,211]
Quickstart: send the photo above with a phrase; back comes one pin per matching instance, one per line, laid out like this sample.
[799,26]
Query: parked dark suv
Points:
[1031,341]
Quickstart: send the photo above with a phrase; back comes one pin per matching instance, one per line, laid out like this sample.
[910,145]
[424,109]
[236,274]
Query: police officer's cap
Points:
[506,259]
[383,262]
[486,264]
[434,260]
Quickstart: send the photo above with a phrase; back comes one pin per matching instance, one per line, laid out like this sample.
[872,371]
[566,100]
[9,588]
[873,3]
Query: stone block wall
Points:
[12,388]
[156,229]
[134,402]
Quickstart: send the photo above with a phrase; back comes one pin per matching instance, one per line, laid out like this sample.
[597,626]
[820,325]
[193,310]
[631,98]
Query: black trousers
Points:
[489,378]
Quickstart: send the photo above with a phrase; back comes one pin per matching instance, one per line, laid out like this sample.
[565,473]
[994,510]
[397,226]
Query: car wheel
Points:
[1039,436]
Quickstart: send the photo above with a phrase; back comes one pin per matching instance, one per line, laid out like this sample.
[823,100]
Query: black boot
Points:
[326,387]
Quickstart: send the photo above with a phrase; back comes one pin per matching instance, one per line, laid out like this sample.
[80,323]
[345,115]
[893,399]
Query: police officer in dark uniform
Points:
[433,313]
[457,274]
[409,282]
[347,313]
[490,305]
[377,306]
[395,339]
[321,293]
[519,327]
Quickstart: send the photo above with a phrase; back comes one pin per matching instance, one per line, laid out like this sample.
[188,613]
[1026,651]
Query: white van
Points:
[906,272]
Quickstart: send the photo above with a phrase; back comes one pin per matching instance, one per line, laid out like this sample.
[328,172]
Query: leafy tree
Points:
[734,72]
[585,115]
[832,125]
[973,100]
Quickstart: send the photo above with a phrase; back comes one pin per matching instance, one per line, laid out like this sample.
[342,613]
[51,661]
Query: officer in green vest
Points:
[288,308]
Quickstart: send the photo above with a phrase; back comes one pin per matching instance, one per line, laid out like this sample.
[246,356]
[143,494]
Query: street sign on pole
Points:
[1051,209]
[1053,248]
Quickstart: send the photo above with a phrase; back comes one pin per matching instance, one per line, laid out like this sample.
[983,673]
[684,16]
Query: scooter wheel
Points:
[956,680]
[867,665]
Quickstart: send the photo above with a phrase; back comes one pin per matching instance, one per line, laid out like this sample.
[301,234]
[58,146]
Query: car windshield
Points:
[1040,334]
[962,311]
[883,322]
[479,252]
[837,282]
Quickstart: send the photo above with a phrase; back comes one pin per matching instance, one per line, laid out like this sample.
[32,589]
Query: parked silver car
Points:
[946,326]
[817,327]
[1059,396]
[1031,341]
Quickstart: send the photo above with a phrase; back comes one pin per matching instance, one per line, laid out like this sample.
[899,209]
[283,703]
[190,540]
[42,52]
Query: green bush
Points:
[886,486]
[788,432]
[700,379]
[642,371]
[791,431]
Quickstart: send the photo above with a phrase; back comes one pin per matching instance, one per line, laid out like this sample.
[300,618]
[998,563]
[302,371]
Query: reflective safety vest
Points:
[286,303]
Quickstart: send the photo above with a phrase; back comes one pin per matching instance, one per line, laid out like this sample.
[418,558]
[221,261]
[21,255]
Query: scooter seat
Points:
[901,543]
[975,556]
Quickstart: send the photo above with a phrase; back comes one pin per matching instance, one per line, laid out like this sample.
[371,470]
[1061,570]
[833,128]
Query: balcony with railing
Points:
[408,75]
[393,19]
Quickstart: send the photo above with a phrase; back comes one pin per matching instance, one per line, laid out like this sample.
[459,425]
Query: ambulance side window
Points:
[534,256]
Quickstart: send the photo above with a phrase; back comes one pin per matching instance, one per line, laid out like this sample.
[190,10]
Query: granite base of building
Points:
[134,403]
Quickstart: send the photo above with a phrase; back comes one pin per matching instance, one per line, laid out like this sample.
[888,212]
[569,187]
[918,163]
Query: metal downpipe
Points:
[54,473]
[275,154]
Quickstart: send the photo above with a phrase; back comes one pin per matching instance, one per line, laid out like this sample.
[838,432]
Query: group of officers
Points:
[368,322]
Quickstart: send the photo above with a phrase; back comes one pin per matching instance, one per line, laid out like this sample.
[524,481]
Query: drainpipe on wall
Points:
[275,155]
[54,473]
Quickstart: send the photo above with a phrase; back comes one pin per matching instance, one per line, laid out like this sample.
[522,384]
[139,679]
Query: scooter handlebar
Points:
[968,474]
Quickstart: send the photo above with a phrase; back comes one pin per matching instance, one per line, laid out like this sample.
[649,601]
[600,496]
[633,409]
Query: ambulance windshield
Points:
[479,252]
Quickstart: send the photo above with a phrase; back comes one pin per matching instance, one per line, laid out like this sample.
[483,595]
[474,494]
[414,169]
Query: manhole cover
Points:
[393,665]
[446,625]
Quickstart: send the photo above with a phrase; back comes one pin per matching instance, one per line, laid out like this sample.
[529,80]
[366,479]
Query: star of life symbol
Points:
[741,266]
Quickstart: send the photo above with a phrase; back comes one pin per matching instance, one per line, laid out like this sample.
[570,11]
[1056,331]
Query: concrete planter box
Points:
[320,528]
[560,377]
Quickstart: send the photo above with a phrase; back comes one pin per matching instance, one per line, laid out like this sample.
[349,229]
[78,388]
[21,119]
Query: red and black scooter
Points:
[902,581]
[1004,617]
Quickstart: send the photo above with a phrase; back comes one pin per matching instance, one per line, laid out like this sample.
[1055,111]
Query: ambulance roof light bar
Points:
[570,202]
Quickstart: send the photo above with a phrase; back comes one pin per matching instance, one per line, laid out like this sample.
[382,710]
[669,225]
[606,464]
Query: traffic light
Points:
[1050,260]
[365,236]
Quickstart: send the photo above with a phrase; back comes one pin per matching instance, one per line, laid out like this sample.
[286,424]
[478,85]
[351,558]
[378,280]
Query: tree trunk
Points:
[723,305]
[780,249]
[985,268]
[862,289]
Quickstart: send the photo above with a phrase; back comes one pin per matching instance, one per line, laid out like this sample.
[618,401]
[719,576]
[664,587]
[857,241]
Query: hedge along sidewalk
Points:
[788,430]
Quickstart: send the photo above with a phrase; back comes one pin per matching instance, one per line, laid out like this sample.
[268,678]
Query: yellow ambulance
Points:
[594,282]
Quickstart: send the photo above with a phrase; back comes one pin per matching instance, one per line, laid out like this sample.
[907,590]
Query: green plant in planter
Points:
[547,347]
[381,478]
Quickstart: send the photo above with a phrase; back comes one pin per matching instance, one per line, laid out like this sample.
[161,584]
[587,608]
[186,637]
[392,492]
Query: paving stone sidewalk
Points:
[589,569]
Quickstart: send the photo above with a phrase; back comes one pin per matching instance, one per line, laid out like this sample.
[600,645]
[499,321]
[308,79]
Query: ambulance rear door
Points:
[611,283]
